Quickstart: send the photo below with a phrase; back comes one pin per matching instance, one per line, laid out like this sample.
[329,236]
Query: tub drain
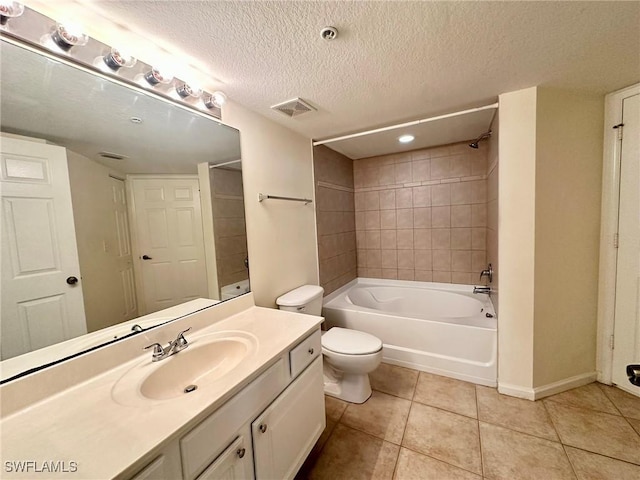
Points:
[190,388]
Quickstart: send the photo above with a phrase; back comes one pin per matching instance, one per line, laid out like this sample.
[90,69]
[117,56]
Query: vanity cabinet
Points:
[266,430]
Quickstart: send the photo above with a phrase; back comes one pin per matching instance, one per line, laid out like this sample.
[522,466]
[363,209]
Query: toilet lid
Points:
[351,342]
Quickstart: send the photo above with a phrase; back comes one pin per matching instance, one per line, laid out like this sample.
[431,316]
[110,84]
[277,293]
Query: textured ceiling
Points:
[392,61]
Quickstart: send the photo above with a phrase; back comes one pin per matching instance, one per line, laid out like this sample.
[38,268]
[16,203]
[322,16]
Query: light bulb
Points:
[216,100]
[158,75]
[117,59]
[68,35]
[187,91]
[406,139]
[9,10]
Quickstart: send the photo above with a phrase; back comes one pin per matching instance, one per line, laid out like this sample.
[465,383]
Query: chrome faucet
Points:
[482,289]
[160,352]
[488,272]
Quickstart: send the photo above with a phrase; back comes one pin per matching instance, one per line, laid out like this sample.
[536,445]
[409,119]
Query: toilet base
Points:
[350,387]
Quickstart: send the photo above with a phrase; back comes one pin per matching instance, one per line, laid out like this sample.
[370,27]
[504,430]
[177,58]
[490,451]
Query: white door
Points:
[627,318]
[169,242]
[123,257]
[42,300]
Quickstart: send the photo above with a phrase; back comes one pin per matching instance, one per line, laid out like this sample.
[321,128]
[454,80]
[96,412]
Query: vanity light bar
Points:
[69,42]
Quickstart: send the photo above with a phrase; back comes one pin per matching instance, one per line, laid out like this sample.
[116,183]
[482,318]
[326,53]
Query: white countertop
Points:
[84,424]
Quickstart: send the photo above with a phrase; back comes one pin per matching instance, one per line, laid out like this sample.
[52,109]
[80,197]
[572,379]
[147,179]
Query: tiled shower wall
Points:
[492,209]
[422,215]
[335,216]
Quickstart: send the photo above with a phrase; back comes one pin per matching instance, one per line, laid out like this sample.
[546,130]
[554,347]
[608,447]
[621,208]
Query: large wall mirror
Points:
[120,210]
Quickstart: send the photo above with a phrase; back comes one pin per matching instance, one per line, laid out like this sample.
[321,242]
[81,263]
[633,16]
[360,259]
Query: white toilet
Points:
[349,355]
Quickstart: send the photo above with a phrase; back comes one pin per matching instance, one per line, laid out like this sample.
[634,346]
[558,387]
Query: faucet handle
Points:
[488,272]
[158,351]
[181,342]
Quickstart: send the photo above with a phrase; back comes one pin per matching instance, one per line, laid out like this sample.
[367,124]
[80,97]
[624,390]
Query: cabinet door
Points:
[233,463]
[286,431]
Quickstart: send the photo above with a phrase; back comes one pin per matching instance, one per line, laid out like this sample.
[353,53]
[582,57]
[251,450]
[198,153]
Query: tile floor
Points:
[422,426]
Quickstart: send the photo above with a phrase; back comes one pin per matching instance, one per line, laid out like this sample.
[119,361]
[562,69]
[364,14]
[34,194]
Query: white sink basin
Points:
[207,359]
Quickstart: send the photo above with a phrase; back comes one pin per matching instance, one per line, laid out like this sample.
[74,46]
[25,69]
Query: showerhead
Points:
[484,136]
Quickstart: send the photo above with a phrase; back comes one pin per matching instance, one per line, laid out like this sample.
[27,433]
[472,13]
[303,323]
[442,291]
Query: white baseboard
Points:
[546,390]
[563,385]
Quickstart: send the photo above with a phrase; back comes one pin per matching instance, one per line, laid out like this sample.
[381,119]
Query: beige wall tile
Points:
[422,239]
[424,154]
[405,259]
[406,274]
[424,276]
[389,258]
[421,170]
[461,278]
[374,272]
[403,172]
[404,218]
[422,196]
[440,167]
[461,215]
[386,175]
[372,220]
[460,239]
[373,239]
[422,217]
[441,151]
[387,199]
[461,260]
[371,176]
[460,165]
[404,198]
[478,261]
[441,194]
[405,239]
[361,258]
[441,239]
[479,215]
[359,217]
[388,239]
[371,201]
[479,191]
[461,193]
[479,164]
[388,219]
[479,239]
[442,261]
[442,277]
[440,217]
[361,239]
[422,260]
[390,273]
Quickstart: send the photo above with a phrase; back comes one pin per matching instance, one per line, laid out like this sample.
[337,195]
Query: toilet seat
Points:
[350,342]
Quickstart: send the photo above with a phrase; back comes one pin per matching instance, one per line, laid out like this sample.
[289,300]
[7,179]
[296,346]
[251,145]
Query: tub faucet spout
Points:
[486,290]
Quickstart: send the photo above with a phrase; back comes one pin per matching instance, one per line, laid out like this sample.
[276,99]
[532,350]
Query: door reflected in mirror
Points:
[116,206]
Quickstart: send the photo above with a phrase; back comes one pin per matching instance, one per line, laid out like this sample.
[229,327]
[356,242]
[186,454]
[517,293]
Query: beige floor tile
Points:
[334,408]
[514,413]
[629,405]
[383,416]
[398,381]
[350,454]
[314,455]
[446,436]
[596,432]
[414,466]
[635,424]
[590,466]
[512,455]
[589,396]
[447,393]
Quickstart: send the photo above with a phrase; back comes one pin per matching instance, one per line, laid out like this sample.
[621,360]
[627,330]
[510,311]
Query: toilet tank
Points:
[306,299]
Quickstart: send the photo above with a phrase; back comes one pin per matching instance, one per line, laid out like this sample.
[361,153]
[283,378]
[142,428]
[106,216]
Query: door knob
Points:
[146,257]
[633,372]
[263,427]
[72,280]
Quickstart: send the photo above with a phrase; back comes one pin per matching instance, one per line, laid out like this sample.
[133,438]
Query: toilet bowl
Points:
[348,355]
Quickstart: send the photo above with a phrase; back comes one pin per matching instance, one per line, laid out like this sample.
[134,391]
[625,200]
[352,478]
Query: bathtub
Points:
[440,328]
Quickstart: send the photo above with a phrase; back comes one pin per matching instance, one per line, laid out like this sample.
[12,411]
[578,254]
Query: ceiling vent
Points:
[293,108]
[112,156]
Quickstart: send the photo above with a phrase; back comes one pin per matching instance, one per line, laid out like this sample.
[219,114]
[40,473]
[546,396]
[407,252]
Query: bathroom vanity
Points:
[256,411]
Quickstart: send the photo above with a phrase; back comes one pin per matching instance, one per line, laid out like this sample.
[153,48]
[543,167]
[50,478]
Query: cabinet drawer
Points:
[206,441]
[304,353]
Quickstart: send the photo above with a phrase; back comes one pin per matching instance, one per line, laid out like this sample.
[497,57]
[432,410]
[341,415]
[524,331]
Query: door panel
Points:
[38,249]
[169,232]
[627,318]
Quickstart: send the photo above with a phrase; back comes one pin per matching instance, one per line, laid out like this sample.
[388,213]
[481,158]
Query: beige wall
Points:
[493,170]
[568,183]
[549,215]
[422,215]
[516,230]
[96,236]
[335,213]
[281,236]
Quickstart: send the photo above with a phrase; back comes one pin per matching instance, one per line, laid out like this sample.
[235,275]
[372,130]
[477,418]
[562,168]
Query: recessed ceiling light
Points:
[406,139]
[135,120]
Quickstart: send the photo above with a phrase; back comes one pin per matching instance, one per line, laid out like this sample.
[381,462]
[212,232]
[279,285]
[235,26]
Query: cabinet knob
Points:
[311,351]
[240,452]
[263,427]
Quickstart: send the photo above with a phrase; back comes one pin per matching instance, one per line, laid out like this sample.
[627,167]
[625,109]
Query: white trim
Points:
[564,385]
[516,391]
[406,124]
[608,227]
